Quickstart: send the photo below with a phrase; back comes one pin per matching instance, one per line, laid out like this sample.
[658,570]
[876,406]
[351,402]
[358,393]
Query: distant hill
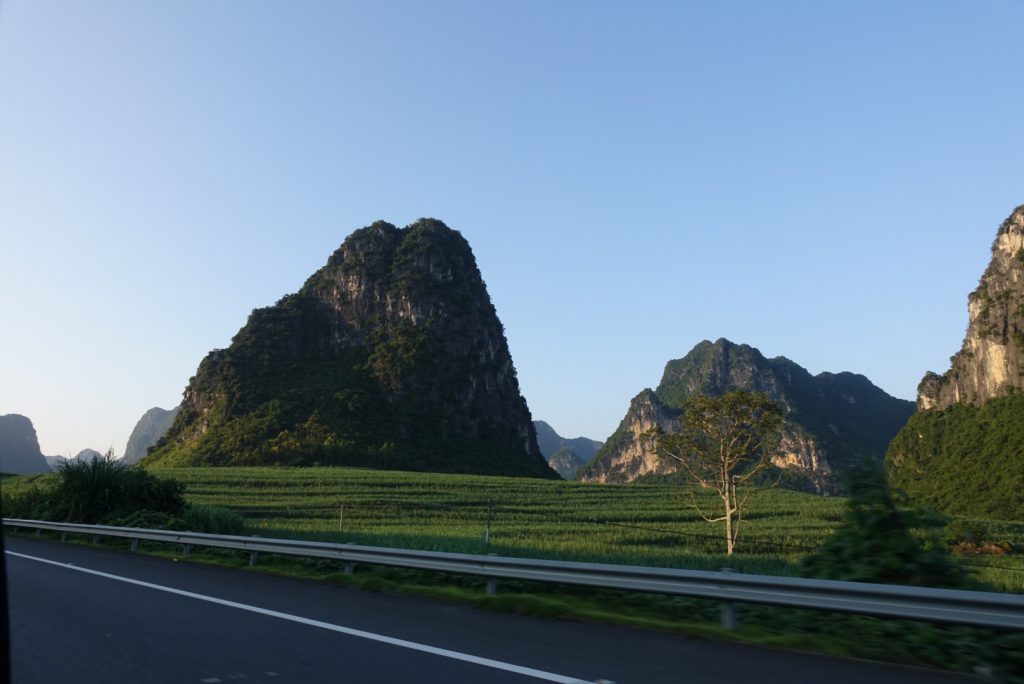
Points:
[566,462]
[832,421]
[963,451]
[564,455]
[390,356]
[87,456]
[55,461]
[153,424]
[550,442]
[19,446]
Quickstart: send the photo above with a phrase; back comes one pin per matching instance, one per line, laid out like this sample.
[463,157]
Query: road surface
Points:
[82,614]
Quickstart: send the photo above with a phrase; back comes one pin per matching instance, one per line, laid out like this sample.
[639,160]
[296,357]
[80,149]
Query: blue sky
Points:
[819,180]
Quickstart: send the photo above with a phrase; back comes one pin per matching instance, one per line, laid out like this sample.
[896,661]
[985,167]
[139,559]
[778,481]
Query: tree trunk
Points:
[729,540]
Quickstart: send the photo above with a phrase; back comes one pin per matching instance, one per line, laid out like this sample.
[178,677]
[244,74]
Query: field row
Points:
[632,524]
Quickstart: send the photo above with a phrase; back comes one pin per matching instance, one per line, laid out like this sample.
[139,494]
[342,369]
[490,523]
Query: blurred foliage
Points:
[214,520]
[873,543]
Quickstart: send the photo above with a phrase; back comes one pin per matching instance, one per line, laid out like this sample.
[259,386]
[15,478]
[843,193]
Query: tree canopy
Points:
[722,444]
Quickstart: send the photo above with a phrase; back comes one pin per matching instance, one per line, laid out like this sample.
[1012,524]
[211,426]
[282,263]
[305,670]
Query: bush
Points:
[98,491]
[874,542]
[214,520]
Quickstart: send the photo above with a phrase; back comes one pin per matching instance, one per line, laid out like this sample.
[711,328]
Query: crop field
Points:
[633,524]
[642,524]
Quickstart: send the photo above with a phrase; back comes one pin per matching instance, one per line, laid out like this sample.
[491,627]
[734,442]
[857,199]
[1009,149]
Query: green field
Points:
[642,524]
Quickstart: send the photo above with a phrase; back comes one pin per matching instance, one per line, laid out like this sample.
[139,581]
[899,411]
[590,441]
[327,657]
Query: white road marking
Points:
[401,643]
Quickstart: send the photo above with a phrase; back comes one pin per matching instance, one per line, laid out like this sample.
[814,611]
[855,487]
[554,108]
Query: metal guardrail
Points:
[975,608]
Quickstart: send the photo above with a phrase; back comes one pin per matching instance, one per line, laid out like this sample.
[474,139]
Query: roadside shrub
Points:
[102,490]
[874,542]
[214,520]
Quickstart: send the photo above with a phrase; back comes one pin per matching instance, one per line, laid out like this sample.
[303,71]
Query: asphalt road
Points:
[81,614]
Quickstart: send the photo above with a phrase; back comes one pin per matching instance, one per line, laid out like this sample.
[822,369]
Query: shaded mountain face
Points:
[963,451]
[19,446]
[147,432]
[565,456]
[990,363]
[566,462]
[550,442]
[832,420]
[390,356]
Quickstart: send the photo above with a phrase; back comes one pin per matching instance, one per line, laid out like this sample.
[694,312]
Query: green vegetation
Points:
[642,524]
[108,492]
[874,542]
[92,492]
[965,460]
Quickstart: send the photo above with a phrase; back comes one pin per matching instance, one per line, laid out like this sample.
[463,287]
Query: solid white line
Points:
[402,643]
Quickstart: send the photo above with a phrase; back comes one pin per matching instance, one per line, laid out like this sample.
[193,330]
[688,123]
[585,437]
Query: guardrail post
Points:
[492,582]
[63,536]
[135,545]
[487,531]
[185,548]
[728,608]
[253,555]
[350,568]
[95,539]
[39,531]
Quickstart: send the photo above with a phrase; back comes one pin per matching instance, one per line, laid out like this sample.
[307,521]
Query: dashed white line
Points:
[401,643]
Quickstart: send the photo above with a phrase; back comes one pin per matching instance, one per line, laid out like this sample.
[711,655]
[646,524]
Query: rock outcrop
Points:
[153,424]
[390,356]
[19,446]
[833,420]
[963,451]
[991,361]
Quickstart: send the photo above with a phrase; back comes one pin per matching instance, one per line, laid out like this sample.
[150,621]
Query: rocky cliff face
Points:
[991,361]
[389,356]
[19,446]
[147,432]
[626,455]
[963,451]
[833,420]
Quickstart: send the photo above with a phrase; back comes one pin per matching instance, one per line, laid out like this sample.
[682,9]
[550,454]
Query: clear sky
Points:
[820,180]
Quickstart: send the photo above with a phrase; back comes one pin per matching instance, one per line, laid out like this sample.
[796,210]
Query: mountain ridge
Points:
[833,419]
[19,446]
[389,356]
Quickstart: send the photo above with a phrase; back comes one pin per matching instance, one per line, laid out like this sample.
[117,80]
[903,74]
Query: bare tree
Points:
[722,443]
